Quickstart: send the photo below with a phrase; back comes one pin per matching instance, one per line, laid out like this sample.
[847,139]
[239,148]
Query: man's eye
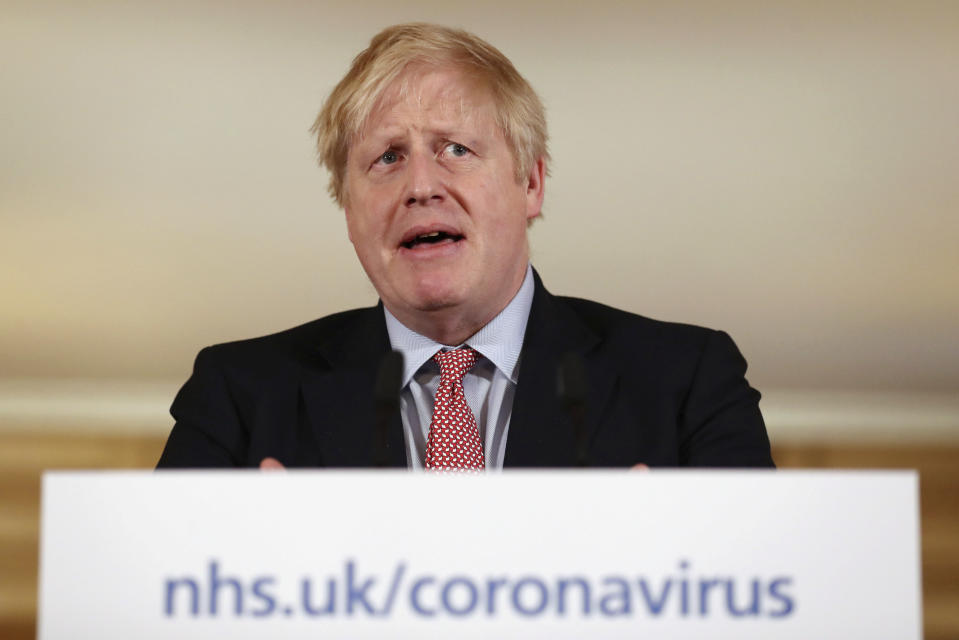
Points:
[389,157]
[457,149]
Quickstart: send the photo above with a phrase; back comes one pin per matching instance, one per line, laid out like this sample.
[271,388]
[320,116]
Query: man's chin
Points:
[437,303]
[437,292]
[429,303]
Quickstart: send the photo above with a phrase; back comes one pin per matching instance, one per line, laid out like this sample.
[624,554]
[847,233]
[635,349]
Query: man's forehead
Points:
[444,97]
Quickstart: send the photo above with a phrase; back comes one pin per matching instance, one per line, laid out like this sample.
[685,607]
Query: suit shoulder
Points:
[296,342]
[673,351]
[612,324]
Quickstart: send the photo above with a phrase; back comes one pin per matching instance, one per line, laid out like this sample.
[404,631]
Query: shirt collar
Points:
[500,341]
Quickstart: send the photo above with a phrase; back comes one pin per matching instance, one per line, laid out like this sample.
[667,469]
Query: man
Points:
[437,152]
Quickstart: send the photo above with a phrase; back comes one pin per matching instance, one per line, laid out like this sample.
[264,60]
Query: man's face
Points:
[433,207]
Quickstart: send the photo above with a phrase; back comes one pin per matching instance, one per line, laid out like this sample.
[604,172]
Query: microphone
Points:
[572,389]
[386,397]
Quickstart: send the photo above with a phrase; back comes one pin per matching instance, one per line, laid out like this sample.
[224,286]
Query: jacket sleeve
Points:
[721,425]
[208,430]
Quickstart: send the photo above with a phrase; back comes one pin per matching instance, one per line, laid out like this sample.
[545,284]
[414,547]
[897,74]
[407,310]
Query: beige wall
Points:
[786,173]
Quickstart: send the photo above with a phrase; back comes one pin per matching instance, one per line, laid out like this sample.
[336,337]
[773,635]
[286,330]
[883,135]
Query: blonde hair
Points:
[519,111]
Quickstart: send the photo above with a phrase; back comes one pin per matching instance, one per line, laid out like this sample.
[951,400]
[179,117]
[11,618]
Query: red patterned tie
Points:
[454,441]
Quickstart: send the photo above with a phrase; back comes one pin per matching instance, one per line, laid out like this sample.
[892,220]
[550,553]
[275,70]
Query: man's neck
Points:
[446,326]
[452,326]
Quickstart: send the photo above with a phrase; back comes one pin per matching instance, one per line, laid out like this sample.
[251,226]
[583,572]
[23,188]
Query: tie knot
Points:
[456,362]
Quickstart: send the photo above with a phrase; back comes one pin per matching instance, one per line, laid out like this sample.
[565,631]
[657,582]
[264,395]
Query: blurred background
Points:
[783,171]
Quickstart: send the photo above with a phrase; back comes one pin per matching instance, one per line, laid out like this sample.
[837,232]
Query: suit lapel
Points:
[338,394]
[541,433]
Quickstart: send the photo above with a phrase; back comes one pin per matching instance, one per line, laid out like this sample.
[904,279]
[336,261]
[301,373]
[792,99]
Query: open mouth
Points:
[431,238]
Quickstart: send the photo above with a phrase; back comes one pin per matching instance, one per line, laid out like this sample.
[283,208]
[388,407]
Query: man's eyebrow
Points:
[382,132]
[447,132]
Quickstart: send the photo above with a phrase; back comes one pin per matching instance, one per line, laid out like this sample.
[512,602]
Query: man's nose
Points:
[425,182]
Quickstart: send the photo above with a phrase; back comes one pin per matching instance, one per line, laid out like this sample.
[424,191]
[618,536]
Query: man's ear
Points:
[535,189]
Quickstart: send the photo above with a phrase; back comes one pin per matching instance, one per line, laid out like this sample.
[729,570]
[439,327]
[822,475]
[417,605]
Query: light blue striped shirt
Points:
[489,386]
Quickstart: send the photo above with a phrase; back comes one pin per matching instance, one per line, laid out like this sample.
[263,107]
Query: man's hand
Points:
[635,467]
[271,464]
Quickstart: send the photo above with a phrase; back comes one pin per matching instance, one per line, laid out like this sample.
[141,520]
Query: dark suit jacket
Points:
[660,393]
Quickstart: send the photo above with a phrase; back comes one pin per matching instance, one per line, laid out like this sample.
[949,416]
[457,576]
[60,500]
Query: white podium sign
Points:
[323,554]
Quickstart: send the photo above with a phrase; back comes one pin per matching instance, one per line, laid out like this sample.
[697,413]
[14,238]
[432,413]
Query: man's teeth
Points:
[429,235]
